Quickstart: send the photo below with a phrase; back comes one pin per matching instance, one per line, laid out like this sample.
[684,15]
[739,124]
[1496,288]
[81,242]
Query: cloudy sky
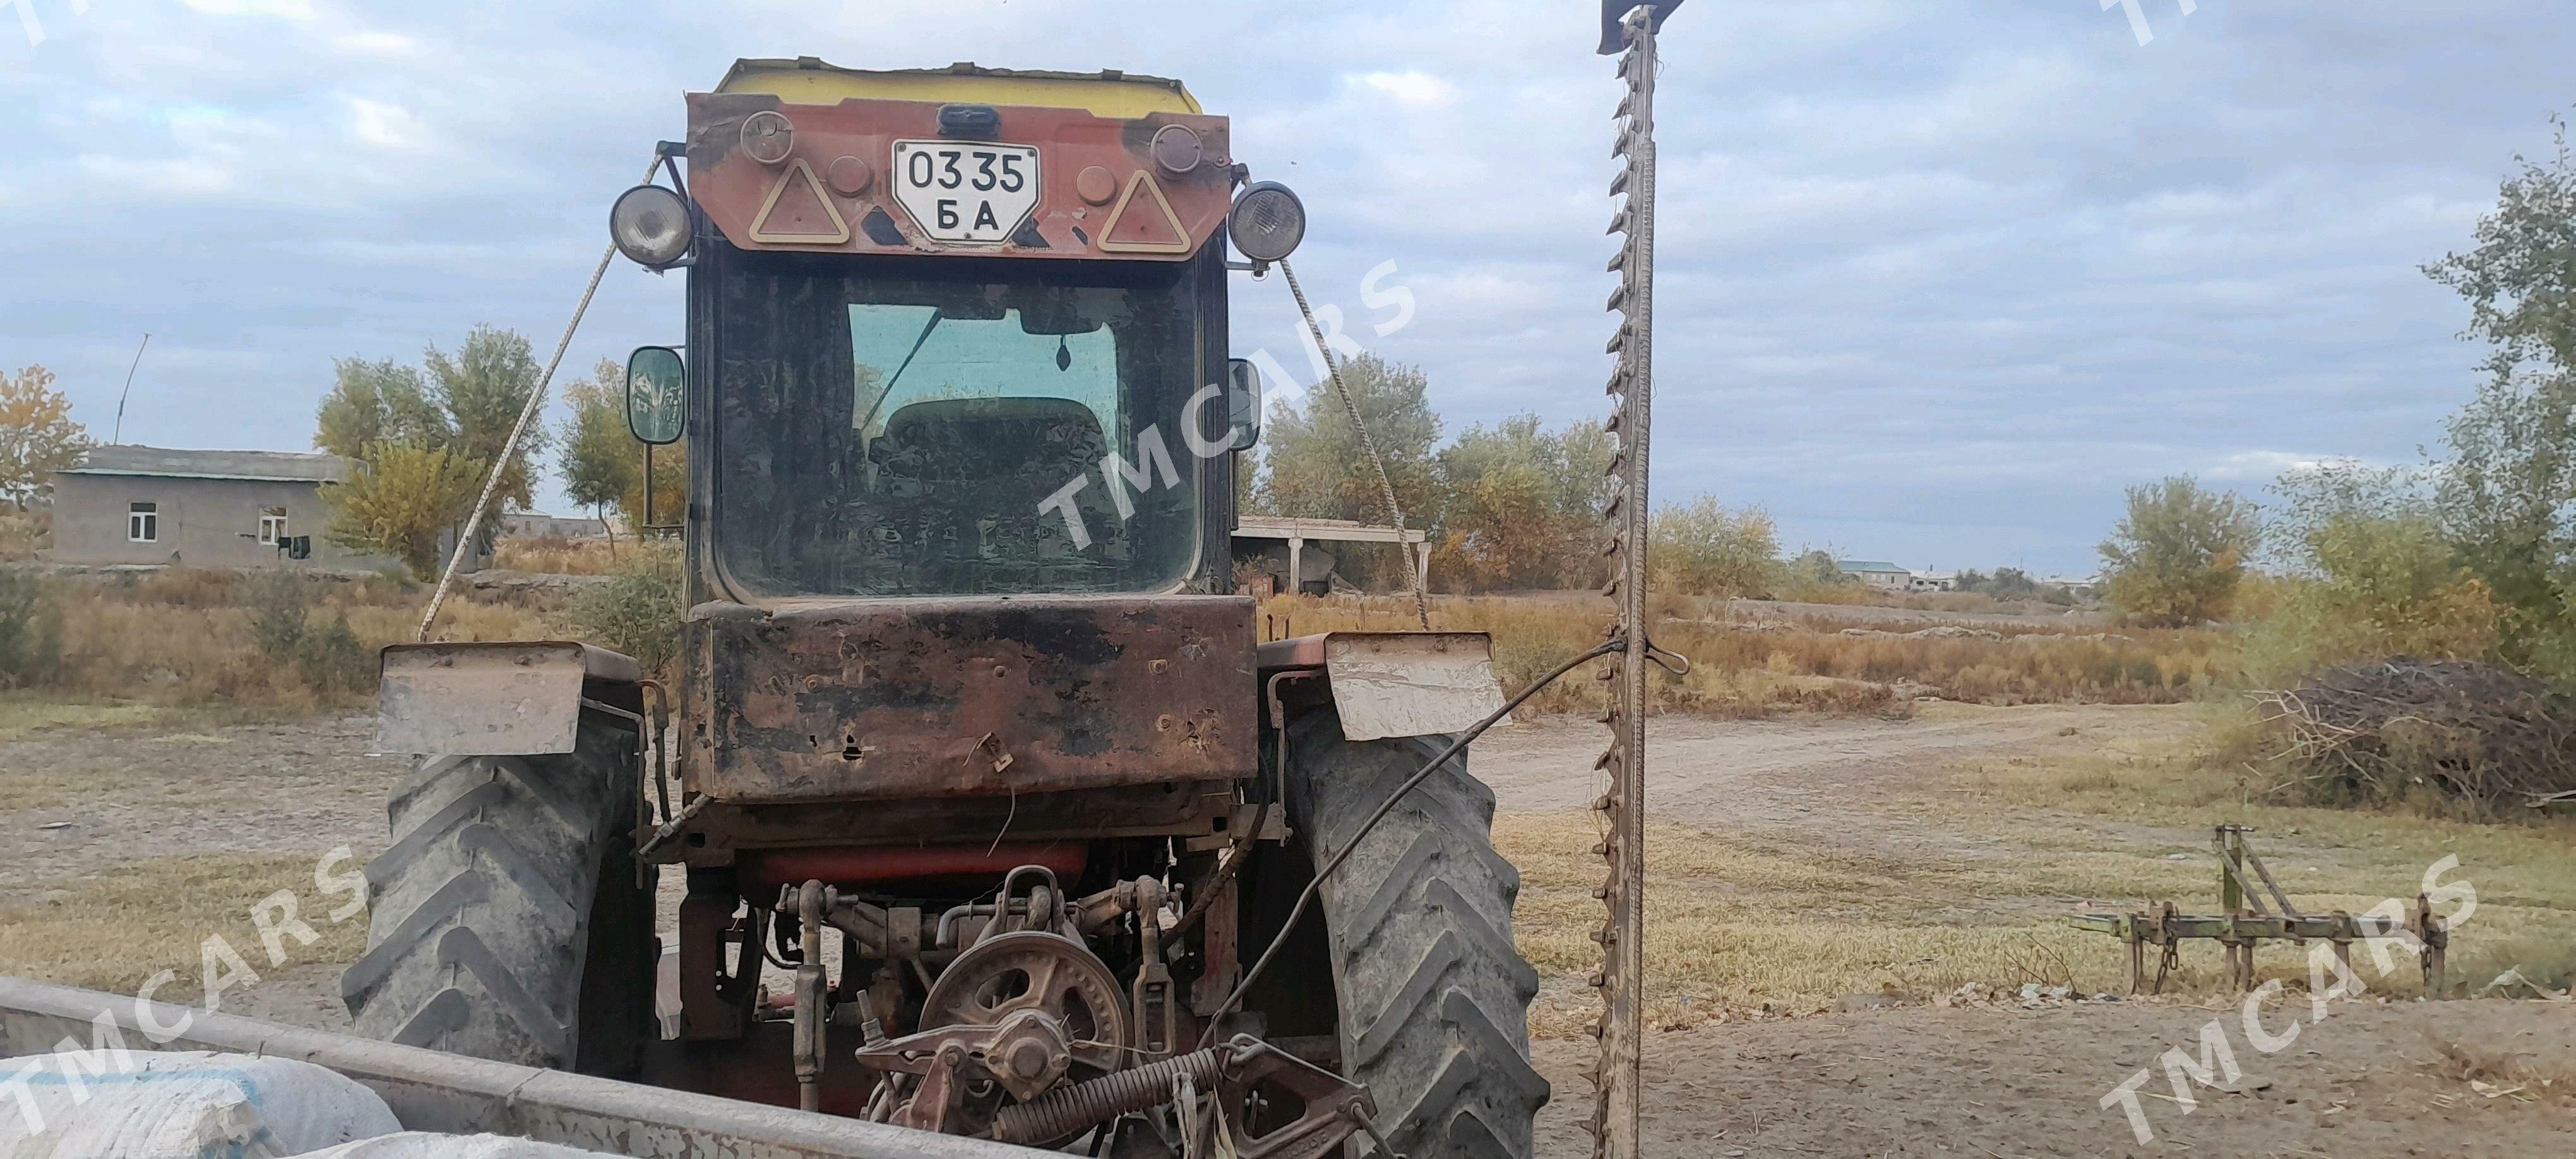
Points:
[1938,277]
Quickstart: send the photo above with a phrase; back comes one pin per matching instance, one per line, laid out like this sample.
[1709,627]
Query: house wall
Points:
[1894,581]
[203,522]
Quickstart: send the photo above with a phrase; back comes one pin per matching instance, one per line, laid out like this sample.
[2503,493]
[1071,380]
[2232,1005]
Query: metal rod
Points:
[119,435]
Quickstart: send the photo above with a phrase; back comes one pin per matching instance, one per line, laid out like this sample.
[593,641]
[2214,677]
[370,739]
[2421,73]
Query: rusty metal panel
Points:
[488,699]
[1411,683]
[1101,194]
[976,696]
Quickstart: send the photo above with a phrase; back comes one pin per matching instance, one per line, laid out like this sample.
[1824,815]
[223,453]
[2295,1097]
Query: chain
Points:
[1385,485]
[1622,808]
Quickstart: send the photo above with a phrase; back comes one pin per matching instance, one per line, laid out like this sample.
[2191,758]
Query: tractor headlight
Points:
[650,225]
[1267,223]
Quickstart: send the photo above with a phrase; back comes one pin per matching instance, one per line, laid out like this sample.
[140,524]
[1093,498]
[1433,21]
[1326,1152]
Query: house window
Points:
[272,526]
[143,523]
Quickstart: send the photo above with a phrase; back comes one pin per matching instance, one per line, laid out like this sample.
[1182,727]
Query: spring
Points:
[1059,1113]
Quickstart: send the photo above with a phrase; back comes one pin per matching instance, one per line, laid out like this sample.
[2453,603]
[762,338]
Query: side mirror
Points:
[657,395]
[1243,402]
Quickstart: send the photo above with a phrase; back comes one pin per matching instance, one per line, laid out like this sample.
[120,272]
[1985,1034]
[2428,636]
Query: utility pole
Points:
[118,435]
[1628,29]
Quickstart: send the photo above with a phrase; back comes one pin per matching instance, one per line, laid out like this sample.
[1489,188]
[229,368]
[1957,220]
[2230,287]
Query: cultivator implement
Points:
[2247,921]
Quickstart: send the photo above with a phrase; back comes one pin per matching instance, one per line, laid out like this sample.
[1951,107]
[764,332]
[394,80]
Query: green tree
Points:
[601,460]
[1704,549]
[2503,498]
[1812,571]
[378,402]
[1520,506]
[603,464]
[2520,281]
[482,388]
[422,427]
[2178,555]
[37,435]
[403,501]
[1314,467]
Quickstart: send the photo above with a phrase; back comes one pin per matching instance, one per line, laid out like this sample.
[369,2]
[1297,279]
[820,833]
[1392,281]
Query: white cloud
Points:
[384,125]
[380,44]
[1412,88]
[282,9]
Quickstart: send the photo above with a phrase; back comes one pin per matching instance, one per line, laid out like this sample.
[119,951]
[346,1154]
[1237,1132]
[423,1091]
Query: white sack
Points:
[179,1105]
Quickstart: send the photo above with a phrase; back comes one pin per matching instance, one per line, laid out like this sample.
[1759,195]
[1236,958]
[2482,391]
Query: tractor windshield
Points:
[908,428]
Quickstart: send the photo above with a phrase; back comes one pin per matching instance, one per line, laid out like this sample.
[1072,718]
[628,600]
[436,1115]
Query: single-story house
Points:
[1877,573]
[131,504]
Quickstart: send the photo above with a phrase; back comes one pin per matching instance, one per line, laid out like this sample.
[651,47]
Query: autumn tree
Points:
[37,435]
[1520,506]
[403,502]
[2178,554]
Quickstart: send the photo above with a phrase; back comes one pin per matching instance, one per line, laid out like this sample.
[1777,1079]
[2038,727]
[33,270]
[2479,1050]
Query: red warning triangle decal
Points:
[798,212]
[1155,231]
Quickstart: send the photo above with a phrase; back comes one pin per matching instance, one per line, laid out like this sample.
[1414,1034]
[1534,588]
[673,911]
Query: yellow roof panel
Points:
[1109,93]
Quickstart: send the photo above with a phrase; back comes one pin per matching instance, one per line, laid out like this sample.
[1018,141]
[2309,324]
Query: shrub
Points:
[31,631]
[636,612]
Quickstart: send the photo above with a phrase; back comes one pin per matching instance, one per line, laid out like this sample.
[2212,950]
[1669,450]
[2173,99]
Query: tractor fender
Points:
[497,698]
[1395,684]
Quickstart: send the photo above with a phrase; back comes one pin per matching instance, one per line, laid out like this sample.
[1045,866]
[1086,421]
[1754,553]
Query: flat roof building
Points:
[189,508]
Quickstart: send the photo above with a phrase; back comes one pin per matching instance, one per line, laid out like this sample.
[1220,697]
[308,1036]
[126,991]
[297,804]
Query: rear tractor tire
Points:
[506,921]
[1431,998]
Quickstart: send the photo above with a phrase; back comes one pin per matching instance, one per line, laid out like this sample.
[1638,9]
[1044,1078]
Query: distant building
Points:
[539,525]
[228,509]
[1934,581]
[1877,573]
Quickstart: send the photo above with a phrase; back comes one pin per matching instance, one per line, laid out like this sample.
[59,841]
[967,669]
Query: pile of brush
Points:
[2386,731]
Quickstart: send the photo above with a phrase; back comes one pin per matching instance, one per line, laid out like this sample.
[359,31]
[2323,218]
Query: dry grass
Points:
[183,637]
[1745,922]
[1793,663]
[114,931]
[555,556]
[22,713]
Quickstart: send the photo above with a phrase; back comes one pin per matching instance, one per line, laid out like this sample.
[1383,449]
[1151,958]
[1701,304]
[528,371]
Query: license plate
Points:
[966,191]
